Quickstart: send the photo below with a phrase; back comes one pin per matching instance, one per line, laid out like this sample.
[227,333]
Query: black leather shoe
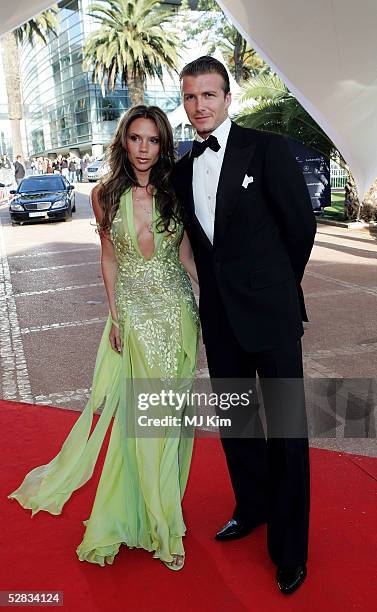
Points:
[233,530]
[289,579]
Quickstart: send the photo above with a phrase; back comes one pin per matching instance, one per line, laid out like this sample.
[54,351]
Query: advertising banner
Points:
[316,171]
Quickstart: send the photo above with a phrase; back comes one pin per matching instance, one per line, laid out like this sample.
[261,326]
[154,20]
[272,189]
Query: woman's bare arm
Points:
[109,271]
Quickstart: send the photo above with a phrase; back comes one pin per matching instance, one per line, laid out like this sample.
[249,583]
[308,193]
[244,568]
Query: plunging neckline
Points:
[132,226]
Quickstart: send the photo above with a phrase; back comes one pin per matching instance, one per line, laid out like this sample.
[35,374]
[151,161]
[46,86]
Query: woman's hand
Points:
[115,339]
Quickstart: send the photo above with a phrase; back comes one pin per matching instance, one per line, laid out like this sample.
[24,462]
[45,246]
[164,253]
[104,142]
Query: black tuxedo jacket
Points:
[262,241]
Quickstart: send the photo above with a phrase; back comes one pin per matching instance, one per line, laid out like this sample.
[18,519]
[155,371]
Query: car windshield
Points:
[38,184]
[97,162]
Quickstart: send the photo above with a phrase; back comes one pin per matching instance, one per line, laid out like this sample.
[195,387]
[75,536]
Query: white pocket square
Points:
[247,180]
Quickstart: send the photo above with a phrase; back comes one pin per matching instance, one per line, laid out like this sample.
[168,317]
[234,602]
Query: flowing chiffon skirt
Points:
[138,499]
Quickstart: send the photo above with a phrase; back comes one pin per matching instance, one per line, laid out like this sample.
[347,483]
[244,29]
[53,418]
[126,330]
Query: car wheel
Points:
[74,207]
[14,223]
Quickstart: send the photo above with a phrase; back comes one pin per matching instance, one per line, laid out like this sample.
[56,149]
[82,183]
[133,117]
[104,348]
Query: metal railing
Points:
[338,176]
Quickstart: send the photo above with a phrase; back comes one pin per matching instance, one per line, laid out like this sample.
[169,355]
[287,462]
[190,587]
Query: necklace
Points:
[149,212]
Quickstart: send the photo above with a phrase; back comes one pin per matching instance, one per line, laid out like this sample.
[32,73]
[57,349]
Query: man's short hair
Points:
[205,65]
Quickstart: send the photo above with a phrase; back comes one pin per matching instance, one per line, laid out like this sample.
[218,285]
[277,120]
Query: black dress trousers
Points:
[269,475]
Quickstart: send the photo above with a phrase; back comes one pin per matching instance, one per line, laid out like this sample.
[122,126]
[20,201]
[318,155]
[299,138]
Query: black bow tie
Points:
[199,147]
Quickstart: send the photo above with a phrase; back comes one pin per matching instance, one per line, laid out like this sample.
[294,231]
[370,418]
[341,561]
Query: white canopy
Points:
[325,51]
[14,14]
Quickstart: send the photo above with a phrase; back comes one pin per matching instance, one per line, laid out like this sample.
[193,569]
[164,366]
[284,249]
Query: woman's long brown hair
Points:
[121,175]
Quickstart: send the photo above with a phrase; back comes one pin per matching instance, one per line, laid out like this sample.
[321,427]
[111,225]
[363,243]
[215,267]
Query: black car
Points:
[48,196]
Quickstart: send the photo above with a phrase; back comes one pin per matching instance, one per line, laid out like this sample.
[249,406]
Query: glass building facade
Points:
[63,109]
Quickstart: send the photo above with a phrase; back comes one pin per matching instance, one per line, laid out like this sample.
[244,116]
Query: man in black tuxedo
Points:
[251,227]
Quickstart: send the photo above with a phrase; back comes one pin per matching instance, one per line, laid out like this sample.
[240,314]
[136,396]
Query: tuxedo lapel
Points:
[187,167]
[238,153]
[187,180]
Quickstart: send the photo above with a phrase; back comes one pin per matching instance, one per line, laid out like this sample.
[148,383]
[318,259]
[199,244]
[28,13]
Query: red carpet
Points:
[39,553]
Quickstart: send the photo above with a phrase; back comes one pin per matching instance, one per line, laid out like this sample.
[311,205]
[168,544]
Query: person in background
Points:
[85,163]
[72,170]
[78,170]
[19,169]
[64,168]
[6,163]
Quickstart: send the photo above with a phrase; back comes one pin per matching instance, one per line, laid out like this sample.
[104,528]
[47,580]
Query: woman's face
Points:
[142,144]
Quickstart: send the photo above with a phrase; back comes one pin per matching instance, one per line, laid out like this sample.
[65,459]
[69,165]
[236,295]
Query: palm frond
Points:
[266,115]
[40,27]
[265,87]
[279,112]
[135,40]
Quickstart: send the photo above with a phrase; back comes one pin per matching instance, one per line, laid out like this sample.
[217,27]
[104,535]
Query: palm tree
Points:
[270,106]
[35,29]
[134,41]
[218,32]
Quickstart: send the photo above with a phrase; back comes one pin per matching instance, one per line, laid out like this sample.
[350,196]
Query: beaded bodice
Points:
[150,293]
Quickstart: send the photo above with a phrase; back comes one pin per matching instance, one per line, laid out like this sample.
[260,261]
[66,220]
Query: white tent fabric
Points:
[14,14]
[326,53]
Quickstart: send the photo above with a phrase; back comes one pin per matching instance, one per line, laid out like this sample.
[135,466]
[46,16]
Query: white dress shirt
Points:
[205,178]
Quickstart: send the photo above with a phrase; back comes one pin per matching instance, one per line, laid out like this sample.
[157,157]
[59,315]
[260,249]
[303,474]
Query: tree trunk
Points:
[237,57]
[135,91]
[351,199]
[356,211]
[369,207]
[12,77]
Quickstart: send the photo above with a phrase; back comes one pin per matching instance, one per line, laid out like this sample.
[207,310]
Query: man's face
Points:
[205,102]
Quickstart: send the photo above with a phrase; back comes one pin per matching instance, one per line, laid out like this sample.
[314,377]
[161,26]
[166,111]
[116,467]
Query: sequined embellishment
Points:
[150,293]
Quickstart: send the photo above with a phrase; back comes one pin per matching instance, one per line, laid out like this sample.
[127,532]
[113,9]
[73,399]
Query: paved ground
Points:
[53,307]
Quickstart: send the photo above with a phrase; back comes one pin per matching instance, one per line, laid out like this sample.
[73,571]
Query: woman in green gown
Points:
[149,343]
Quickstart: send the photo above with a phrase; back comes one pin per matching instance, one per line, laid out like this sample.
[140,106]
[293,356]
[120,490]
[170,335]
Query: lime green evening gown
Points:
[138,499]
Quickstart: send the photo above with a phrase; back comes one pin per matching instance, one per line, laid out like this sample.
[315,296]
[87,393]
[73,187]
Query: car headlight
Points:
[14,206]
[58,204]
